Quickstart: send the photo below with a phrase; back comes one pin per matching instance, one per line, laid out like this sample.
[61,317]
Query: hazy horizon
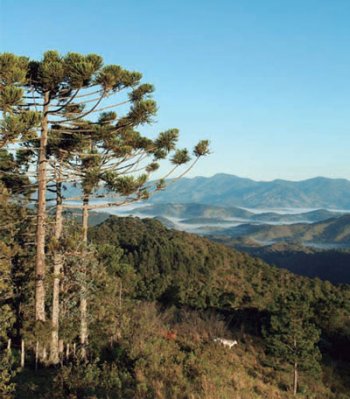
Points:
[264,180]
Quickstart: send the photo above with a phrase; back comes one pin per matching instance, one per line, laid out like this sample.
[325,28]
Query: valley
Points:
[309,242]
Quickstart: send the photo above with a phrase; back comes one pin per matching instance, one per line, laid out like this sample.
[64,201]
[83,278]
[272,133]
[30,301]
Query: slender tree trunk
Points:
[295,379]
[118,323]
[60,347]
[57,270]
[44,354]
[41,217]
[83,292]
[120,293]
[22,354]
[61,351]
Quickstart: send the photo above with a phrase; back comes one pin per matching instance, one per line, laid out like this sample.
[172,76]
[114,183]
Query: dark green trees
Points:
[7,312]
[292,336]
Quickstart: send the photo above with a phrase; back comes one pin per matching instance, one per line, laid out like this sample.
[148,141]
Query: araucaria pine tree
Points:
[48,115]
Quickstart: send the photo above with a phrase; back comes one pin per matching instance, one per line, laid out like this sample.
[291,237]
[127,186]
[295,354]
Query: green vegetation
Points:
[180,269]
[128,309]
[330,232]
[158,298]
[45,105]
[292,336]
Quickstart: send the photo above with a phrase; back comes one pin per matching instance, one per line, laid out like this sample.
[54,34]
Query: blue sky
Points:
[267,81]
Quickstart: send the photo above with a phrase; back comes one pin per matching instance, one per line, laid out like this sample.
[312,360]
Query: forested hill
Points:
[331,231]
[182,268]
[181,271]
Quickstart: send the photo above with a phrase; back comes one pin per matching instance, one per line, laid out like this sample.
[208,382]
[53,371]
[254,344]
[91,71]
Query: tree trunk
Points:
[60,347]
[120,293]
[41,217]
[295,379]
[57,270]
[83,291]
[67,351]
[22,354]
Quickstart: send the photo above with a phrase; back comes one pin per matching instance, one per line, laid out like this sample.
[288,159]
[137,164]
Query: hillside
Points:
[331,232]
[331,265]
[167,295]
[182,269]
[169,262]
[228,190]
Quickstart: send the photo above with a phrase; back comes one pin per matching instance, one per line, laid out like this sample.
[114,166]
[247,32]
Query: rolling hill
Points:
[194,210]
[334,231]
[193,213]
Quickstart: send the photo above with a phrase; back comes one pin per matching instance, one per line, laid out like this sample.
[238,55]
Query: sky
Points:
[267,82]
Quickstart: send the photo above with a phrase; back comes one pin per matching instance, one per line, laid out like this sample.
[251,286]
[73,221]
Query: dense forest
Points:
[128,308]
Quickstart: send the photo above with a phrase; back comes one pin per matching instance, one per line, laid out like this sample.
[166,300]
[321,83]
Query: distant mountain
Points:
[331,231]
[312,216]
[206,221]
[229,190]
[211,214]
[225,190]
[194,210]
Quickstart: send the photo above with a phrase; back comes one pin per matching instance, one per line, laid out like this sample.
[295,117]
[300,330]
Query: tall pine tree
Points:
[292,336]
[48,101]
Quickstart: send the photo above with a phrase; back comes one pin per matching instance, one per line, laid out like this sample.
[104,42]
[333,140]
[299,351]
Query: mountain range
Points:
[229,190]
